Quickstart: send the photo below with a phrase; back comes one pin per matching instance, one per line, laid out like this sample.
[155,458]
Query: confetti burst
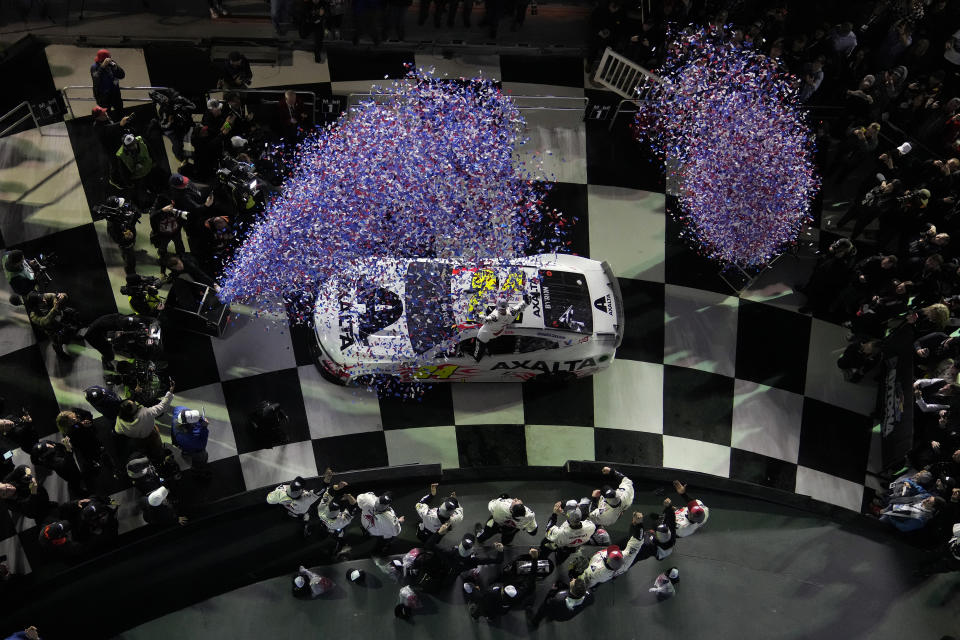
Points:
[728,119]
[425,168]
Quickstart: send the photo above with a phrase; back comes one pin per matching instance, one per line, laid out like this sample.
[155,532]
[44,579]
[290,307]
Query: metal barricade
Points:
[68,99]
[624,76]
[29,115]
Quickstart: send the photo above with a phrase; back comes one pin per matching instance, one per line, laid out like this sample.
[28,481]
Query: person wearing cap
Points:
[123,231]
[156,510]
[608,503]
[295,498]
[138,424]
[562,604]
[58,458]
[94,519]
[189,433]
[495,323]
[133,165]
[432,518]
[335,510]
[378,519]
[109,133]
[566,537]
[56,538]
[606,564]
[690,517]
[166,226]
[665,584]
[309,585]
[106,75]
[507,516]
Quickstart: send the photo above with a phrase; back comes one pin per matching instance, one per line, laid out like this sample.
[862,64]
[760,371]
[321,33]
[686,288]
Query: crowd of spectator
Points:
[882,84]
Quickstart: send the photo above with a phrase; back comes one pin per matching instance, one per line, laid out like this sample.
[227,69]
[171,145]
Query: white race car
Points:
[418,320]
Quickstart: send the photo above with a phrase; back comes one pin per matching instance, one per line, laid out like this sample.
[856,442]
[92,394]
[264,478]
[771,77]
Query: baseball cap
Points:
[97,110]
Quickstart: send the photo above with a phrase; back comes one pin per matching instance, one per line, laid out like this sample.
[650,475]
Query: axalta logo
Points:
[540,365]
[605,304]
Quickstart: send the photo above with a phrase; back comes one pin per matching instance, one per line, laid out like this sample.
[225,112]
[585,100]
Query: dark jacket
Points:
[104,79]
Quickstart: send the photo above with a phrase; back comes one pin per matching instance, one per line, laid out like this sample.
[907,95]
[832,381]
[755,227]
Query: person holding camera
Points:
[106,75]
[49,313]
[19,429]
[122,221]
[109,133]
[80,434]
[235,72]
[135,169]
[58,458]
[21,492]
[21,274]
[138,426]
[144,295]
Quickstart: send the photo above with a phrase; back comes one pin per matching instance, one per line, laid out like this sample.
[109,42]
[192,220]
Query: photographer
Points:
[21,274]
[234,73]
[19,430]
[166,223]
[144,294]
[135,169]
[80,434]
[138,426]
[106,75]
[109,133]
[49,313]
[96,336]
[175,119]
[122,221]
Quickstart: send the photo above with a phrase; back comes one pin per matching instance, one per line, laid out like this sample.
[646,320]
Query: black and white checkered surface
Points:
[742,387]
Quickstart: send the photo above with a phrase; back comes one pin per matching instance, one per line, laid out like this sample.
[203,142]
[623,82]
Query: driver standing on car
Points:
[495,323]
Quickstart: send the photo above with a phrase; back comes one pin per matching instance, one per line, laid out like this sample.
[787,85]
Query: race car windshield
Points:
[427,302]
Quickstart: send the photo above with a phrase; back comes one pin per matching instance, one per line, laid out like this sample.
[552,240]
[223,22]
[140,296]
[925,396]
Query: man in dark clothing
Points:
[77,428]
[57,458]
[96,336]
[56,539]
[446,563]
[21,491]
[109,133]
[563,604]
[498,598]
[235,72]
[311,20]
[106,75]
[19,430]
[165,227]
[183,292]
[123,231]
[21,273]
[93,519]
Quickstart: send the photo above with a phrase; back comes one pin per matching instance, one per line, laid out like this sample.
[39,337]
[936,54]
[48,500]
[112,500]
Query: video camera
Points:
[139,338]
[138,285]
[175,110]
[240,177]
[119,211]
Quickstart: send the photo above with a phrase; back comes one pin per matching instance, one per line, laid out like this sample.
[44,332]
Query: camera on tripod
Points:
[118,211]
